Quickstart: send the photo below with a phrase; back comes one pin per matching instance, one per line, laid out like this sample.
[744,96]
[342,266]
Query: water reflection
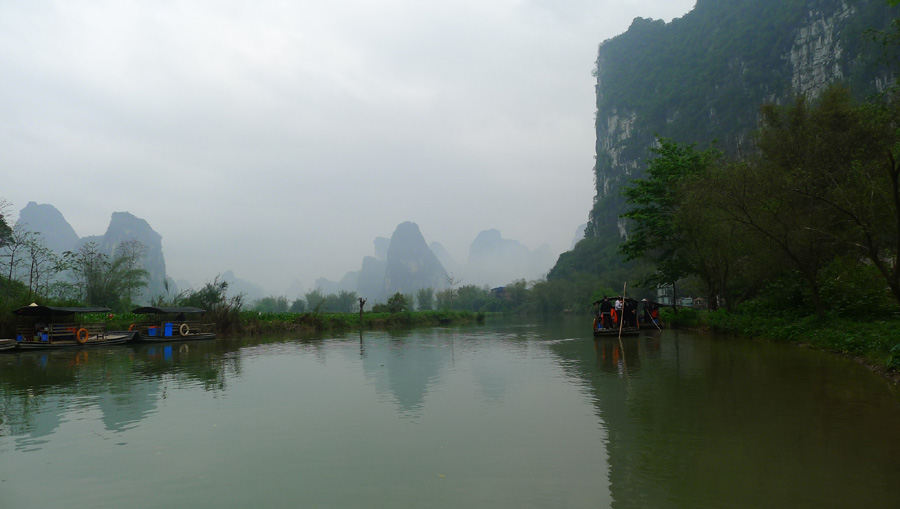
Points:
[405,370]
[714,422]
[621,357]
[41,390]
[540,409]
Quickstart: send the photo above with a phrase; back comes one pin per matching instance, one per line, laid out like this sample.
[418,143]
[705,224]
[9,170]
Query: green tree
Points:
[845,159]
[654,204]
[5,229]
[315,299]
[43,266]
[271,304]
[105,281]
[425,299]
[397,303]
[298,306]
[343,302]
[472,298]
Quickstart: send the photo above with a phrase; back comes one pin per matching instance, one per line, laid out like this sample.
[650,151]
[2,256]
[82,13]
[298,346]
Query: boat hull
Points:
[143,338]
[110,338]
[614,333]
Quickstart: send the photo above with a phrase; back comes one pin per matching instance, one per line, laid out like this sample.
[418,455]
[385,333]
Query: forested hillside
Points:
[704,77]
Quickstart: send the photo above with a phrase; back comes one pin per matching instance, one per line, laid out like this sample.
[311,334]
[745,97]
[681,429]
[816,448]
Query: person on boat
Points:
[630,310]
[618,315]
[606,320]
[651,312]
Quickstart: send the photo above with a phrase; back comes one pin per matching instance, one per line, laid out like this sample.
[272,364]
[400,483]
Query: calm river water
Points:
[498,415]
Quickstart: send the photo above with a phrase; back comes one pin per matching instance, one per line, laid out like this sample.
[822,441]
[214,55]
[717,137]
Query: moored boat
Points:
[61,327]
[172,324]
[7,344]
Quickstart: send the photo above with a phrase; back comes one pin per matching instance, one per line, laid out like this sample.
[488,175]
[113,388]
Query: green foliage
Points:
[685,318]
[654,204]
[213,297]
[342,302]
[253,322]
[101,280]
[397,303]
[298,306]
[5,232]
[425,299]
[598,261]
[873,339]
[271,304]
[702,78]
[854,289]
[315,299]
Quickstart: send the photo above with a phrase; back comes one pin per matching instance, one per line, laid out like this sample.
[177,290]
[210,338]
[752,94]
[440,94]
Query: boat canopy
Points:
[36,310]
[147,310]
[613,299]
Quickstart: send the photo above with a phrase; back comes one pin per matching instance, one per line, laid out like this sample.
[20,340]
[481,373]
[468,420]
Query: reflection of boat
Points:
[171,324]
[7,344]
[56,327]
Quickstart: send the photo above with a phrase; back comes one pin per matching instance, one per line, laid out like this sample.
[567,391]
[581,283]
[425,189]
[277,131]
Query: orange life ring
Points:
[131,327]
[81,339]
[184,329]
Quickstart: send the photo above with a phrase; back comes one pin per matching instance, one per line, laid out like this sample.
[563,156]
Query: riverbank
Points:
[252,322]
[874,343]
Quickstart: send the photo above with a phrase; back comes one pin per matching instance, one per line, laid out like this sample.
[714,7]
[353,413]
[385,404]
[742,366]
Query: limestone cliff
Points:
[123,227]
[704,76]
[49,222]
[411,265]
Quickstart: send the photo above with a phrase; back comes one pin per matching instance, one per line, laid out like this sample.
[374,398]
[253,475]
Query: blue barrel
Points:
[168,331]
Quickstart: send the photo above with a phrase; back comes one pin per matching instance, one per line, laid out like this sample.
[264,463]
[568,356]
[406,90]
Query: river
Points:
[505,414]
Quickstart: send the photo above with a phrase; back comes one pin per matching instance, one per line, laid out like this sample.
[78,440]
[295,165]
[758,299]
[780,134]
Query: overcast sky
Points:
[279,138]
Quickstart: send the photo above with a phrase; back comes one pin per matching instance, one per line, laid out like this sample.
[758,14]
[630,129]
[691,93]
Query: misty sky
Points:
[279,138]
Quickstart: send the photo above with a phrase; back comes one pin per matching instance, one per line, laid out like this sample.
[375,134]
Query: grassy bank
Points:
[262,323]
[253,322]
[875,341]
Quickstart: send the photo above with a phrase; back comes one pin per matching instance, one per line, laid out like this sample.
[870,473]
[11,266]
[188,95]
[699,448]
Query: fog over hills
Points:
[410,265]
[59,236]
[403,263]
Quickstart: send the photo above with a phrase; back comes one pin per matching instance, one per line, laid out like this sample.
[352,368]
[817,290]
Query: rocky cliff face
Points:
[45,219]
[816,56]
[59,236]
[703,77]
[410,263]
[124,227]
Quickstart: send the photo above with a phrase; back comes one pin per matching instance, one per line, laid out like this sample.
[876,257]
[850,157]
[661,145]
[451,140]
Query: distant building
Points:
[665,295]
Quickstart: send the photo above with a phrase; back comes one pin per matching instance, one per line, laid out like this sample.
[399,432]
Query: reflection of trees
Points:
[37,389]
[701,419]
